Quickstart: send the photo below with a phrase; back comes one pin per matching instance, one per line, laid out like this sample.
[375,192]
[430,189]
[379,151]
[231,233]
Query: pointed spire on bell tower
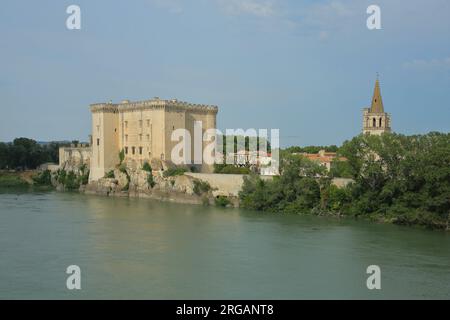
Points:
[377,102]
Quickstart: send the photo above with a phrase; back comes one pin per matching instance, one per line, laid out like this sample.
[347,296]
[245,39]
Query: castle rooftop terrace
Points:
[126,105]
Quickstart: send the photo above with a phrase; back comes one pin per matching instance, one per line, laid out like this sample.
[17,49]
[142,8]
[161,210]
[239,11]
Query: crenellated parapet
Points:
[104,107]
[155,104]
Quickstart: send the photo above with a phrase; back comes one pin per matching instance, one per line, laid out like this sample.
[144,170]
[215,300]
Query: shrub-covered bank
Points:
[25,179]
[398,179]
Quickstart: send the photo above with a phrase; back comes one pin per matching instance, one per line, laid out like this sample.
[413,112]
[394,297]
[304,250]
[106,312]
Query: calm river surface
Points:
[144,249]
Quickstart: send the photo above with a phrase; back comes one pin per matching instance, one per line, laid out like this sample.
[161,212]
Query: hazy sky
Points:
[305,67]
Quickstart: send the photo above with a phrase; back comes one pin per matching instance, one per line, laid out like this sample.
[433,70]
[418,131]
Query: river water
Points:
[145,249]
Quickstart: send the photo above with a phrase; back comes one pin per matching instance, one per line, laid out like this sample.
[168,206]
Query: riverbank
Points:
[17,179]
[178,190]
[129,181]
[187,189]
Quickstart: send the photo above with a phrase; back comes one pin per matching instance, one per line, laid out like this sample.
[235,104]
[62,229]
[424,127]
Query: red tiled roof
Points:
[324,158]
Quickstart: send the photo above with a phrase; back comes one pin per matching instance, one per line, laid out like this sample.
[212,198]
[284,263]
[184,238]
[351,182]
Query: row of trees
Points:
[25,153]
[230,169]
[397,178]
[311,149]
[245,142]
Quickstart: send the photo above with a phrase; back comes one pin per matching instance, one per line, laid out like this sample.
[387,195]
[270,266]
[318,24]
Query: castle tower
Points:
[375,120]
[143,130]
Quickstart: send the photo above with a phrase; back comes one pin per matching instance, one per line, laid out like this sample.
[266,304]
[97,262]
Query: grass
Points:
[12,180]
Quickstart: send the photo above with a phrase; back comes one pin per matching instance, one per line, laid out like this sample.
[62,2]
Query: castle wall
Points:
[74,157]
[140,133]
[208,122]
[227,184]
[174,119]
[105,143]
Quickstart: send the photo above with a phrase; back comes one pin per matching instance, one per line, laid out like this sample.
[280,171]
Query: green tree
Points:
[297,190]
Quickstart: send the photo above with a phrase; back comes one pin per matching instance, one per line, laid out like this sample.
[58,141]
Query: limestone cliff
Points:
[132,182]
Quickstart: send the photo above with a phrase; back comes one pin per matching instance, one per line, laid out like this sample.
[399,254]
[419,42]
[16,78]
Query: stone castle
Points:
[375,120]
[142,131]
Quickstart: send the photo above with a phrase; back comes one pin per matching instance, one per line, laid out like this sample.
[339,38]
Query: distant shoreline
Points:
[22,181]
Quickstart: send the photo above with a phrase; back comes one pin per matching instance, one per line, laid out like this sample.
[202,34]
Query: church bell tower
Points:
[375,120]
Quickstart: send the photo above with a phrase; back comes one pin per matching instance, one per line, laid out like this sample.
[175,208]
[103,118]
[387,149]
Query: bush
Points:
[110,175]
[61,176]
[123,168]
[222,201]
[121,156]
[201,187]
[147,167]
[151,182]
[84,179]
[82,168]
[230,169]
[176,171]
[297,190]
[43,178]
[71,181]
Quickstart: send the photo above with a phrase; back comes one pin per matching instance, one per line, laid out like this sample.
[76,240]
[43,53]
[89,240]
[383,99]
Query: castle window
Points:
[98,142]
[140,150]
[133,150]
[126,150]
[148,137]
[173,128]
[380,122]
[126,124]
[374,122]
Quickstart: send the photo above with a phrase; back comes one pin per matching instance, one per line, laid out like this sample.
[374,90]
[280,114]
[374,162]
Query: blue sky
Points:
[305,67]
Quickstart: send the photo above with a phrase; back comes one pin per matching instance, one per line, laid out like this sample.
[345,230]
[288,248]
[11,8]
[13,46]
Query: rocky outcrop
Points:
[133,182]
[104,186]
[184,184]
